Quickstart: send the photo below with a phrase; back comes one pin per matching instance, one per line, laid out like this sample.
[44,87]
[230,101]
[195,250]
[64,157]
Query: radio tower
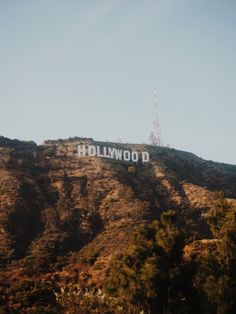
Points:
[155,135]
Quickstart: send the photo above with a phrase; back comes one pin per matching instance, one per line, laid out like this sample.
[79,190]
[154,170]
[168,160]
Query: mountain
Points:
[65,216]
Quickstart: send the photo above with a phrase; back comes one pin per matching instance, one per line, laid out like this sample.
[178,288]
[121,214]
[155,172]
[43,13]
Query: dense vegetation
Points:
[158,275]
[163,270]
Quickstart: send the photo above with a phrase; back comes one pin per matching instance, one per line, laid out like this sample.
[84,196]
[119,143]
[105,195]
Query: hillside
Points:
[65,216]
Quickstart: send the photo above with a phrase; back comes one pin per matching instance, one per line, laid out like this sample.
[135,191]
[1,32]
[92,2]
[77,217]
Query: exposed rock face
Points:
[58,210]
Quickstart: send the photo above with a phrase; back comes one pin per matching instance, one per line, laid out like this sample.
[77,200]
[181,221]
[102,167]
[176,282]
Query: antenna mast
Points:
[155,135]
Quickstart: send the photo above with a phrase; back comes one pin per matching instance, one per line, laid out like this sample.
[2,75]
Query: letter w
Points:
[118,154]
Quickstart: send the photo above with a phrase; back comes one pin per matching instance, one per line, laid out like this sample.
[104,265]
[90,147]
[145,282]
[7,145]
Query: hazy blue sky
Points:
[90,68]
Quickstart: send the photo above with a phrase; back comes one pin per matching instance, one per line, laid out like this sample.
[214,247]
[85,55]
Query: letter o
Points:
[134,156]
[126,155]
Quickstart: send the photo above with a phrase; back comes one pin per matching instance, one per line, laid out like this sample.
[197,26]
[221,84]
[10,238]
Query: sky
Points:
[91,68]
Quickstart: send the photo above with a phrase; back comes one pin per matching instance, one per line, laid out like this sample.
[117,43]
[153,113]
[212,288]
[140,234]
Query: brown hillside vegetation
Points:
[63,219]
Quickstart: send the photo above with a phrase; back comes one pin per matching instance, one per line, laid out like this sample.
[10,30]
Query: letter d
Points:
[145,157]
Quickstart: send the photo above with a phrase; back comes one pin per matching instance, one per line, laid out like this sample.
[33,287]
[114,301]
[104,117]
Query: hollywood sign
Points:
[112,153]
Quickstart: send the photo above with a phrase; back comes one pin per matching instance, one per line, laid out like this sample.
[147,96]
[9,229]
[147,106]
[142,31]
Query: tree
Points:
[216,274]
[151,275]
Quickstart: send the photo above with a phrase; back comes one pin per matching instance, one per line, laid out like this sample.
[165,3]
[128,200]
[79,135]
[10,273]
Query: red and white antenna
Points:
[155,135]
